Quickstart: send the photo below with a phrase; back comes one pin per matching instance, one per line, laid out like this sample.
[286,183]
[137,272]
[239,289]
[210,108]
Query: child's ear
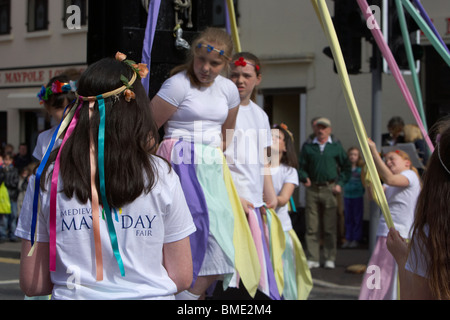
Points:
[408,163]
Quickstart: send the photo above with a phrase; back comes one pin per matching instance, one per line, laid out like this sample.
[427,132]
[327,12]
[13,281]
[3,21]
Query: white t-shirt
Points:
[201,112]
[418,258]
[245,153]
[43,141]
[402,205]
[281,175]
[143,226]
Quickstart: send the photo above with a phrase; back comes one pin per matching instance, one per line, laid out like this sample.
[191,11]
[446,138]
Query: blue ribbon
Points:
[37,181]
[101,170]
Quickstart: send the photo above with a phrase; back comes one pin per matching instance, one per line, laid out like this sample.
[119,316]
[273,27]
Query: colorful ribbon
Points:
[59,130]
[411,62]
[152,19]
[277,243]
[327,24]
[101,170]
[387,54]
[424,15]
[96,221]
[427,31]
[54,190]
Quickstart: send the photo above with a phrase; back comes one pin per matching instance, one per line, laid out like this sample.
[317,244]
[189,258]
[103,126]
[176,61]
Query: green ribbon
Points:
[411,62]
[427,30]
[101,170]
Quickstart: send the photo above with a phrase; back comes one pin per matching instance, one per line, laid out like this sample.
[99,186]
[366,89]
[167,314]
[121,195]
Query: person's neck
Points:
[245,102]
[322,140]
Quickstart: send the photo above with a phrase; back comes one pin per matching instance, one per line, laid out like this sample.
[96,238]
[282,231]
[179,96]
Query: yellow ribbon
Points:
[233,25]
[277,247]
[304,277]
[327,25]
[246,257]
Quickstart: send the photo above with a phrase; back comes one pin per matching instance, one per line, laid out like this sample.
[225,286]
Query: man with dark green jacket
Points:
[324,168]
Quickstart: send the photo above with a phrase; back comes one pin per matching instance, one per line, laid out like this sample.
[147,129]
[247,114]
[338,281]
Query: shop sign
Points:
[32,77]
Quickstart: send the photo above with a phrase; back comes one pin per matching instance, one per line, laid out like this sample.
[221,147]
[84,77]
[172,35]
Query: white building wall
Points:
[40,54]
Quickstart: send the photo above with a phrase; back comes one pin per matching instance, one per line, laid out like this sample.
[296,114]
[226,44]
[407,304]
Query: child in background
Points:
[197,105]
[297,276]
[402,188]
[248,161]
[414,135]
[354,201]
[11,180]
[55,96]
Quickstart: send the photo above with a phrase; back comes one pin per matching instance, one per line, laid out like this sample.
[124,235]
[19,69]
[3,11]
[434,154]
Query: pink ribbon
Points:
[54,191]
[387,54]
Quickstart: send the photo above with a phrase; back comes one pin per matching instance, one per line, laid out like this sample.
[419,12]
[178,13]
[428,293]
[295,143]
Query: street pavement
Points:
[328,284]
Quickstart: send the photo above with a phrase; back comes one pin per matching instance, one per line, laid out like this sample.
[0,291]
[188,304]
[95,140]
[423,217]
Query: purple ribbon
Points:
[425,16]
[193,192]
[152,19]
[227,17]
[273,289]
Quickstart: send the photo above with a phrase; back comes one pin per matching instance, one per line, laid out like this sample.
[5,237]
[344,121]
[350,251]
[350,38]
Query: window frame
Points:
[6,5]
[32,16]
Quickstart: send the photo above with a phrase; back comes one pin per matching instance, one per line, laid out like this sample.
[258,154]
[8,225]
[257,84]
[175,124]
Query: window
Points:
[5,17]
[82,4]
[37,15]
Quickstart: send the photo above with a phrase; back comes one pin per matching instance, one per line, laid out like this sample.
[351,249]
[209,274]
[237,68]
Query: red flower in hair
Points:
[240,62]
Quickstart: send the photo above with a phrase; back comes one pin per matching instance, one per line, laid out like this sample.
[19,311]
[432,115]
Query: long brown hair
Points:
[130,136]
[289,157]
[433,212]
[211,36]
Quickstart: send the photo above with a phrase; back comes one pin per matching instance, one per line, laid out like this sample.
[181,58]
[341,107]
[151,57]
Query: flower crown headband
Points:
[140,70]
[242,62]
[56,88]
[68,124]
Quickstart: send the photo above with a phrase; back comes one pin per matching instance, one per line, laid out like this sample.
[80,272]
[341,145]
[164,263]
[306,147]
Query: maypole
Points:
[233,26]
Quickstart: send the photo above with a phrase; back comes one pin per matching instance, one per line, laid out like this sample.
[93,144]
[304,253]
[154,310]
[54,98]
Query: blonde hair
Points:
[210,36]
[412,133]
